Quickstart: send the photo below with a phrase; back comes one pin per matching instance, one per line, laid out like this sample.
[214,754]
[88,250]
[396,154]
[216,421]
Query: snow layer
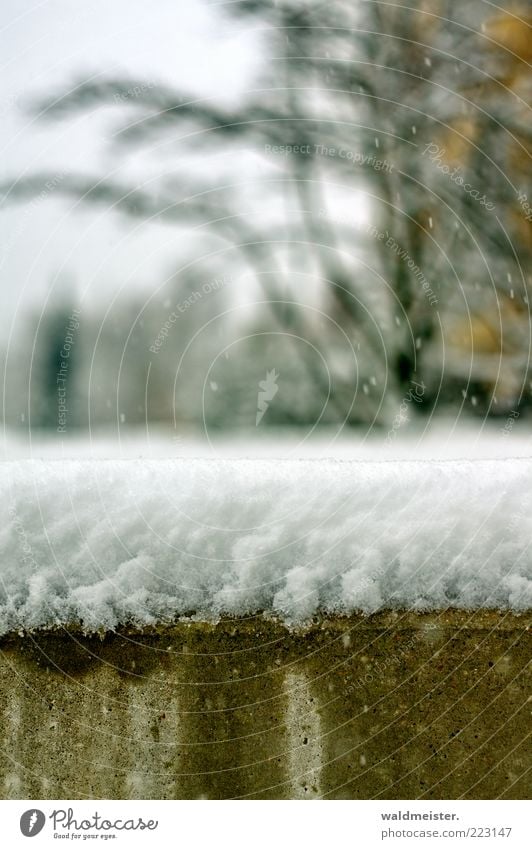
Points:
[110,542]
[421,439]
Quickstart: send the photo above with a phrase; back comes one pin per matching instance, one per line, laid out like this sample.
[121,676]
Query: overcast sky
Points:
[47,45]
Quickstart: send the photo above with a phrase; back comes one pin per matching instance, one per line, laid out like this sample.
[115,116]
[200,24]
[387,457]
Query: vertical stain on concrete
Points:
[170,745]
[152,741]
[232,717]
[303,731]
[87,732]
[24,756]
[144,768]
[13,782]
[13,786]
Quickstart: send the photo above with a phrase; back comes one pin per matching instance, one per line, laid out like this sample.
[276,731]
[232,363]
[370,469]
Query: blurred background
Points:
[265,224]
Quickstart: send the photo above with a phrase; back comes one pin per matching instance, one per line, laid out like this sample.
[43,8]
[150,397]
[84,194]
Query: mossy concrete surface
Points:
[393,706]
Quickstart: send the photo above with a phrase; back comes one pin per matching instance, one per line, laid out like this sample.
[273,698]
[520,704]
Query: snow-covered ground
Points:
[143,540]
[436,439]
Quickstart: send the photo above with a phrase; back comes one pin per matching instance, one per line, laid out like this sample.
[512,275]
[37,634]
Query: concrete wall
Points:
[391,706]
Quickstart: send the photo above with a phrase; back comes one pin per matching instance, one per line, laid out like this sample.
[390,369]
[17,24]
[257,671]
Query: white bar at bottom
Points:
[266,824]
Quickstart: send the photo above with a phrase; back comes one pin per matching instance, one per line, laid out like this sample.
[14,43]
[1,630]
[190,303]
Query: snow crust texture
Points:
[105,543]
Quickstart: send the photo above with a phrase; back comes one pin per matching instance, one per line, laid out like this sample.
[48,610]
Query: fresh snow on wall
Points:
[104,543]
